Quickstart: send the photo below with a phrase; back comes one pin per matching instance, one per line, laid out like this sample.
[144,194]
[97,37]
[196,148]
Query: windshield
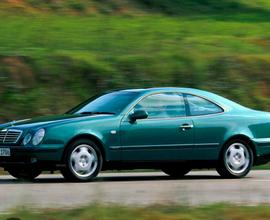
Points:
[111,103]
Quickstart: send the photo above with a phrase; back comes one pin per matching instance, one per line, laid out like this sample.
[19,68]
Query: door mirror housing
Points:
[138,114]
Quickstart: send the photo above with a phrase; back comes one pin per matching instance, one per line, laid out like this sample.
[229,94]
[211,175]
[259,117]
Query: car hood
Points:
[49,120]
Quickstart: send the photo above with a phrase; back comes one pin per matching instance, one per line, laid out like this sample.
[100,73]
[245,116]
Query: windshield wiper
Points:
[97,113]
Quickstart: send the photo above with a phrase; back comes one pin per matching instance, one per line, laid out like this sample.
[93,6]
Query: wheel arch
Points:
[91,137]
[243,138]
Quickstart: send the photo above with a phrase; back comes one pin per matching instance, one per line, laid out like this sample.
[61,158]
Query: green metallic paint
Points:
[150,139]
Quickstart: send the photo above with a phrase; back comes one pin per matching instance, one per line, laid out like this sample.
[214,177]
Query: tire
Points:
[24,173]
[236,159]
[83,161]
[176,172]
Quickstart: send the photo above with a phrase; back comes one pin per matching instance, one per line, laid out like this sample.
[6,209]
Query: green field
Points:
[54,54]
[172,212]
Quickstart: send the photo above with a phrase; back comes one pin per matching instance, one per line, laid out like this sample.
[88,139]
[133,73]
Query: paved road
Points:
[200,187]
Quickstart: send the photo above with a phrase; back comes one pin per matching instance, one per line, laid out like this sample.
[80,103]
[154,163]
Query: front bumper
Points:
[30,155]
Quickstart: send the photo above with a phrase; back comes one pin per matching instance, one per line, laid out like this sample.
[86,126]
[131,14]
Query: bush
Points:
[77,5]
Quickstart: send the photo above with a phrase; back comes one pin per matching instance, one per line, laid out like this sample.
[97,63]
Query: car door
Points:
[210,126]
[167,134]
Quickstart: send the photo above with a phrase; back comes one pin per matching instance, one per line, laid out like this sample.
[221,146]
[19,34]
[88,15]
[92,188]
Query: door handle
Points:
[186,126]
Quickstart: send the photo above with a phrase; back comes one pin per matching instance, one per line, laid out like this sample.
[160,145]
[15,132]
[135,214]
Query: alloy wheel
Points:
[83,160]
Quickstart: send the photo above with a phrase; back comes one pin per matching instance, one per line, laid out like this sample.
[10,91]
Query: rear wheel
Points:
[24,173]
[83,161]
[176,172]
[236,160]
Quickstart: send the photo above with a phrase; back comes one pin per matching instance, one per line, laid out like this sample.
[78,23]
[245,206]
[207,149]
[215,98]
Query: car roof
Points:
[164,89]
[161,89]
[174,89]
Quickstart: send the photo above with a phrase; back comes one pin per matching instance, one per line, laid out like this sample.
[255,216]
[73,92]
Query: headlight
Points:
[38,137]
[27,139]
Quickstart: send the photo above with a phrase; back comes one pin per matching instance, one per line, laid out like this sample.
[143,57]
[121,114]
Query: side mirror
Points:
[138,114]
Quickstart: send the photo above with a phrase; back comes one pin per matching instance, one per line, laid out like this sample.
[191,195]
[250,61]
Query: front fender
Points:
[107,133]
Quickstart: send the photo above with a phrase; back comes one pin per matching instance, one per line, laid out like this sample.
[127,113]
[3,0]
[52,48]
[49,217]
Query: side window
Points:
[201,106]
[163,105]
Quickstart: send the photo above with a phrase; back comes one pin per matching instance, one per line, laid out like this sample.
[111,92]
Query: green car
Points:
[171,129]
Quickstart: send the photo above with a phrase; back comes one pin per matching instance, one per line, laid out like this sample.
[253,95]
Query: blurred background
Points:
[57,53]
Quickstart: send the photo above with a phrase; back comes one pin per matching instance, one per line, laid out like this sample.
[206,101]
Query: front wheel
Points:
[83,161]
[24,173]
[236,160]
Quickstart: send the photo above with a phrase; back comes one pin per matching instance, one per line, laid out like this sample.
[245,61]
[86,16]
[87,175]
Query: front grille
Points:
[10,136]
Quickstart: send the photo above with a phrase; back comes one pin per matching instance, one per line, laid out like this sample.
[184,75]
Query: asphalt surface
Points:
[139,189]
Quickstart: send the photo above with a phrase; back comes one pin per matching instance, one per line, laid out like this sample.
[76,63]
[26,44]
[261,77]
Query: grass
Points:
[262,167]
[169,212]
[79,56]
[70,51]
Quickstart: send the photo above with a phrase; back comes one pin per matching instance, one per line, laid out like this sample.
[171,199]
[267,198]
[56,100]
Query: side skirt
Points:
[119,165]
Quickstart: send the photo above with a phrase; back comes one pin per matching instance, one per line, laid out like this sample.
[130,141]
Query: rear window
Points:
[201,106]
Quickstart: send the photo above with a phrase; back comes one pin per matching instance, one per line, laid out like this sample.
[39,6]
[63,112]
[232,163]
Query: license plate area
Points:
[4,152]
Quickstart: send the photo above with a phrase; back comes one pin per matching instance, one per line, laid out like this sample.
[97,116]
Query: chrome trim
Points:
[161,145]
[187,126]
[5,133]
[209,144]
[115,147]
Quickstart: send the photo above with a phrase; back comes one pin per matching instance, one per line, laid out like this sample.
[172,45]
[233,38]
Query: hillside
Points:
[54,54]
[116,7]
